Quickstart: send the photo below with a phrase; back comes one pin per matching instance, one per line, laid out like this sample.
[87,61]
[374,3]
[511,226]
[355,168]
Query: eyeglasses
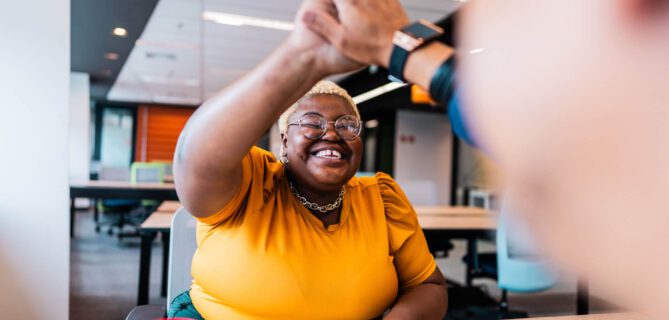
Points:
[314,126]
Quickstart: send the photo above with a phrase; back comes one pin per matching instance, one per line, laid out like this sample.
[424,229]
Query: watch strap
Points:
[398,60]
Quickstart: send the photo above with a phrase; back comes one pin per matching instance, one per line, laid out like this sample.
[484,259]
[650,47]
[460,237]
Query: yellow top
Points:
[266,256]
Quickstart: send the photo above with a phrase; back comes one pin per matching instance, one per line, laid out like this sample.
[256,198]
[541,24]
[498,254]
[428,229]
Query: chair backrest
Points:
[519,266]
[167,167]
[182,248]
[420,192]
[146,172]
[114,173]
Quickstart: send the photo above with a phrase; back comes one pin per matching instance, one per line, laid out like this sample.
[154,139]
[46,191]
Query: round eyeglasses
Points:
[314,126]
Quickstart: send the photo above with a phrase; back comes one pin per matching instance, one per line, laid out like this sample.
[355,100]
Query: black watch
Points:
[408,40]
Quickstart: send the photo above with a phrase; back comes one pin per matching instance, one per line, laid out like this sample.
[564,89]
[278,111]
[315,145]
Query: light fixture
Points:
[176,100]
[371,94]
[240,20]
[120,32]
[475,51]
[170,81]
[371,124]
[111,56]
[106,72]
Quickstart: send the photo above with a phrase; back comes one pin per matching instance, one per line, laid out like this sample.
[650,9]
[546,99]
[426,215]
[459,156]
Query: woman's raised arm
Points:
[207,161]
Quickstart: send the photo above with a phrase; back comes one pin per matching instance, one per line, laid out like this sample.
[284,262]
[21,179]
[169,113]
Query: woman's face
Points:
[325,170]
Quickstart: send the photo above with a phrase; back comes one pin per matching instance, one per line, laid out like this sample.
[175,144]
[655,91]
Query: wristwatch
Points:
[408,40]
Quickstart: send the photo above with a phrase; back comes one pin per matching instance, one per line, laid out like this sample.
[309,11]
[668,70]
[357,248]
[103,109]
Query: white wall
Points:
[34,219]
[423,147]
[80,130]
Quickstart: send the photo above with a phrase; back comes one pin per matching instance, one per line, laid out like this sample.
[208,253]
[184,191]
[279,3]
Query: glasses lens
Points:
[348,127]
[312,126]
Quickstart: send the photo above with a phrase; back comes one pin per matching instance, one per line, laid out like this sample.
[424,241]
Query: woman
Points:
[303,238]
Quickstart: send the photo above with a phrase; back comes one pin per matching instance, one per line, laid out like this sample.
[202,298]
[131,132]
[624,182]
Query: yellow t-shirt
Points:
[266,256]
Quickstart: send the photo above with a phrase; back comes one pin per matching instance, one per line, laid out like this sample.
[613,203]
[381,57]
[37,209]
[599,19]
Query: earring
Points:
[284,160]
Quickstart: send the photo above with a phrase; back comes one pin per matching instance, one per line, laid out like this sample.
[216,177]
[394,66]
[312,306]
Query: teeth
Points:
[329,154]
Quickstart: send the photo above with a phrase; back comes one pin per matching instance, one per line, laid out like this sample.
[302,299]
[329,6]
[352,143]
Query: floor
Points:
[104,274]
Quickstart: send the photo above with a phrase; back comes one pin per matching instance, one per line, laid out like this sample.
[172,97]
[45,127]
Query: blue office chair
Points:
[516,265]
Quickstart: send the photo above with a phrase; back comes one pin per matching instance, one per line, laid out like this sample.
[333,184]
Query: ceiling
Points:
[92,22]
[182,57]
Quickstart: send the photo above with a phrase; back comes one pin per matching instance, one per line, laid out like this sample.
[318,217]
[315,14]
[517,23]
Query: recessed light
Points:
[106,72]
[475,51]
[111,56]
[120,32]
[371,94]
[240,20]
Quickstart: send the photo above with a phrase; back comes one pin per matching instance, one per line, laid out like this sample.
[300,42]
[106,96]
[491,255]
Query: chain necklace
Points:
[314,206]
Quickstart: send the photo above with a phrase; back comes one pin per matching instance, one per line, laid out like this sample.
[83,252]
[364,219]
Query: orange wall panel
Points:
[158,129]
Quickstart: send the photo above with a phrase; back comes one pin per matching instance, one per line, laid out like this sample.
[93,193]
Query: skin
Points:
[207,163]
[570,99]
[320,180]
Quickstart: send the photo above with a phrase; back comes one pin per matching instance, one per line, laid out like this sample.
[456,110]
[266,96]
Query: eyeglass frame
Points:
[325,127]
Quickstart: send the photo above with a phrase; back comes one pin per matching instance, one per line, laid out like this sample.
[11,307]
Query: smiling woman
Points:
[309,225]
[301,237]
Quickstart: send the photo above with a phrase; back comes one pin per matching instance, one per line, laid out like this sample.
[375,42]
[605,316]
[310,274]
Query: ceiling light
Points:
[111,56]
[475,51]
[170,81]
[106,72]
[371,94]
[176,100]
[120,32]
[239,20]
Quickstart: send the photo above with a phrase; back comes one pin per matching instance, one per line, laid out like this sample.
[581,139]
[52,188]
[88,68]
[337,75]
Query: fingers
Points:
[324,24]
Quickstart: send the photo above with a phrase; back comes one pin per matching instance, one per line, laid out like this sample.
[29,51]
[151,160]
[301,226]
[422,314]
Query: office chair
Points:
[182,248]
[117,207]
[515,265]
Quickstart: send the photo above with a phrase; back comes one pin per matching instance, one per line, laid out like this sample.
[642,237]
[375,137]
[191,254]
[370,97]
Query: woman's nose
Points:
[330,132]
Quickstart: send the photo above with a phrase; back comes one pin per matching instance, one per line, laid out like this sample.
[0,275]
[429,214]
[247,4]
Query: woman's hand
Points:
[363,30]
[326,57]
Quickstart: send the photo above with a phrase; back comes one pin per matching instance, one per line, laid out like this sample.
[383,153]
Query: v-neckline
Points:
[343,216]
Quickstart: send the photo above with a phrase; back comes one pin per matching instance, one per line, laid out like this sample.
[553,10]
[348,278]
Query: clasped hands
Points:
[345,35]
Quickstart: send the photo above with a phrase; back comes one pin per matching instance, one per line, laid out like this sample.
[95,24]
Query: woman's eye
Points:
[312,125]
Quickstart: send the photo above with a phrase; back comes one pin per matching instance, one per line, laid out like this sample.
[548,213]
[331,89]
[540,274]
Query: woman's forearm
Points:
[426,301]
[222,130]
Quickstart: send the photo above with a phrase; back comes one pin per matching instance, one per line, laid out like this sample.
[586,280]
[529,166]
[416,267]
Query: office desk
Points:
[603,316]
[169,206]
[157,222]
[472,223]
[101,189]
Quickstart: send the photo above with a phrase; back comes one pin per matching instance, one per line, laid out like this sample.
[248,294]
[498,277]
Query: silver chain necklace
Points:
[314,206]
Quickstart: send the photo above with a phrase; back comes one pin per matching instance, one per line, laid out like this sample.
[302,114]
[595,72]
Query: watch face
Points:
[423,30]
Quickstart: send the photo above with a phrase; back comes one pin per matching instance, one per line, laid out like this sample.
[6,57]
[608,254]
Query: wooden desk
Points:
[101,189]
[456,222]
[157,222]
[169,206]
[603,316]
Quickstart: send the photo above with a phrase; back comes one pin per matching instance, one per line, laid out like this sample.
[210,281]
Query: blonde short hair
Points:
[322,87]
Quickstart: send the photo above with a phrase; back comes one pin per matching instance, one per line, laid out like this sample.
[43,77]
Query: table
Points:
[102,189]
[471,223]
[603,316]
[169,206]
[157,222]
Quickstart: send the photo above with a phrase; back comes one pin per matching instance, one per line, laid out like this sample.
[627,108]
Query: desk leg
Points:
[144,267]
[165,235]
[72,216]
[473,267]
[582,297]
